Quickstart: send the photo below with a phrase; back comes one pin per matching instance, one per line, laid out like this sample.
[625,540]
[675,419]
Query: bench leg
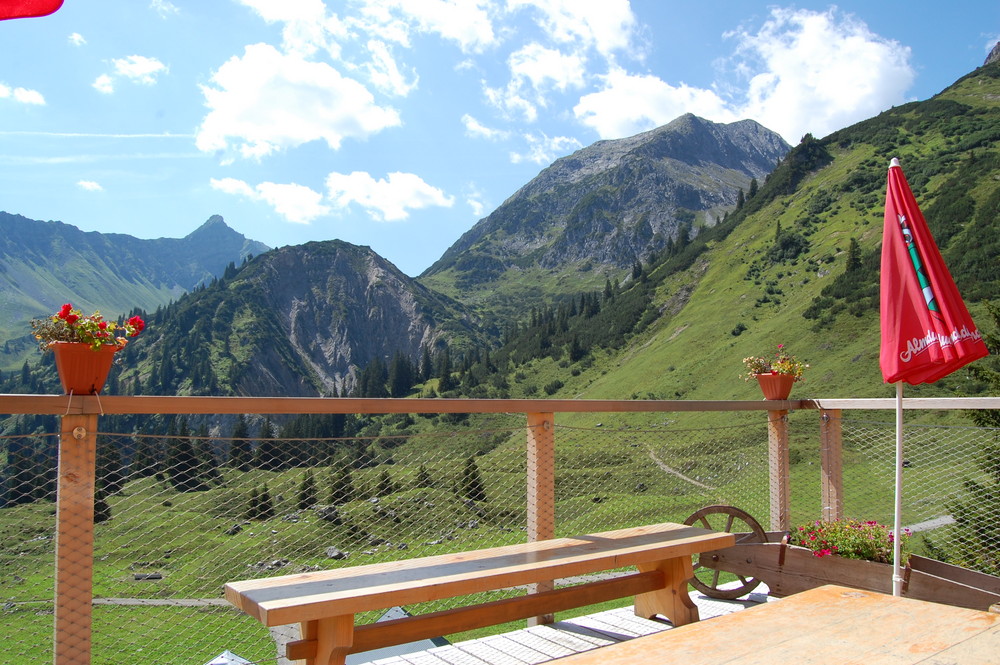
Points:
[333,637]
[673,601]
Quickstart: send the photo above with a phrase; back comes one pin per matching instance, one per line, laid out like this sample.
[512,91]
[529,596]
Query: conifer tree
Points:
[268,456]
[307,491]
[471,484]
[424,478]
[182,460]
[253,506]
[266,506]
[240,449]
[102,510]
[342,486]
[385,486]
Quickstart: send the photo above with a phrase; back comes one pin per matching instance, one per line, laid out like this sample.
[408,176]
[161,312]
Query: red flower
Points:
[64,312]
[137,323]
[70,319]
[103,325]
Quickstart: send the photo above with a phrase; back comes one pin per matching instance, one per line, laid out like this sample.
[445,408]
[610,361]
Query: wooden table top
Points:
[829,624]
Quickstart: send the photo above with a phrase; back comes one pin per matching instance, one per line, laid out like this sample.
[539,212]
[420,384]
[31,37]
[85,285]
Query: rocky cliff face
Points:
[343,306]
[616,202]
[303,320]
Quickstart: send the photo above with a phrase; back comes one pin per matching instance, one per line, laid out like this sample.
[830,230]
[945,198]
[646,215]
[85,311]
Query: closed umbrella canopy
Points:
[927,332]
[27,8]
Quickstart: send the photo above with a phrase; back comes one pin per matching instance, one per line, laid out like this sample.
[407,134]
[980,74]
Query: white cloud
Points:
[89,186]
[476,129]
[801,71]
[510,102]
[296,203]
[267,101]
[476,205]
[164,8]
[543,149]
[76,39]
[22,95]
[819,71]
[606,25]
[104,84]
[384,72]
[139,68]
[544,67]
[286,11]
[475,199]
[307,26]
[136,68]
[629,104]
[385,200]
[466,22]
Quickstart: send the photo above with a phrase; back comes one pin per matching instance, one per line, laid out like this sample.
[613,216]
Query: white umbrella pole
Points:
[897,577]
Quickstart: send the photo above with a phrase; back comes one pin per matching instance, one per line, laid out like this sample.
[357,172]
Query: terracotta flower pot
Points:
[82,371]
[775,386]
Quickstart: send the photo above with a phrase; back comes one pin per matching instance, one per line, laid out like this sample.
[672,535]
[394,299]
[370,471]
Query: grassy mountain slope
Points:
[750,291]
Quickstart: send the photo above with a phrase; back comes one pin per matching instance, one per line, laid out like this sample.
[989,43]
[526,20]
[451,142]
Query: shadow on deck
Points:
[539,644]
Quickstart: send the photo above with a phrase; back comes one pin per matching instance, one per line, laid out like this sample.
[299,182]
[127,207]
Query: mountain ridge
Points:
[606,207]
[45,264]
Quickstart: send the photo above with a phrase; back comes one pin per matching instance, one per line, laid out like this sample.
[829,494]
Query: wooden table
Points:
[325,602]
[829,624]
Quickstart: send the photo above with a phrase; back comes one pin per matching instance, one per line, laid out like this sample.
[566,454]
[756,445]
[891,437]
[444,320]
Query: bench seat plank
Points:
[311,596]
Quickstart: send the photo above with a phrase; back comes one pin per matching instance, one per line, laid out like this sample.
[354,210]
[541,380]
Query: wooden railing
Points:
[78,438]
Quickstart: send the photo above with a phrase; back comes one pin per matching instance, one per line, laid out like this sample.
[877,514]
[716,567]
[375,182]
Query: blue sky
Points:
[398,124]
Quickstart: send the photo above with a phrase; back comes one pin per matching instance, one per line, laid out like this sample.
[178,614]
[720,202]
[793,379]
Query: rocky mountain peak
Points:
[994,55]
[616,202]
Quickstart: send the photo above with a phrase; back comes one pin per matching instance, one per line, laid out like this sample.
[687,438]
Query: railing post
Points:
[75,539]
[777,455]
[541,491]
[832,463]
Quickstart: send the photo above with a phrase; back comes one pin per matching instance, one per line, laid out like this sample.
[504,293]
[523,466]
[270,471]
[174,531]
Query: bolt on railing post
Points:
[832,464]
[541,492]
[777,455]
[75,539]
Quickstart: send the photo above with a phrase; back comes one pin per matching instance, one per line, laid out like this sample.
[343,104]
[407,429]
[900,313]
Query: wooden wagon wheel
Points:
[748,530]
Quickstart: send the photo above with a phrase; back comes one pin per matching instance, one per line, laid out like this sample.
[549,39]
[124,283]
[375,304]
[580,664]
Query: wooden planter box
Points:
[788,569]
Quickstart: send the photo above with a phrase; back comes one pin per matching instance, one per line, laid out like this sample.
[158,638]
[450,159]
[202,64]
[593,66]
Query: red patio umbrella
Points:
[27,8]
[927,332]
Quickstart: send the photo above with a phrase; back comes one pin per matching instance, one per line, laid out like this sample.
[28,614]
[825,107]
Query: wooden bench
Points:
[325,603]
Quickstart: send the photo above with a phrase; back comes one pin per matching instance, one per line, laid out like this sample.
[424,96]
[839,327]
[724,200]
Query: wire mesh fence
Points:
[178,516]
[950,486]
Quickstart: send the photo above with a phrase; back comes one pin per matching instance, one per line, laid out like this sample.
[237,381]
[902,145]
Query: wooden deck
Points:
[530,646]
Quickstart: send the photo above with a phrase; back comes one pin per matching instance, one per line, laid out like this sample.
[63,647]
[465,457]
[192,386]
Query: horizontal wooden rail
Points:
[122,404]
